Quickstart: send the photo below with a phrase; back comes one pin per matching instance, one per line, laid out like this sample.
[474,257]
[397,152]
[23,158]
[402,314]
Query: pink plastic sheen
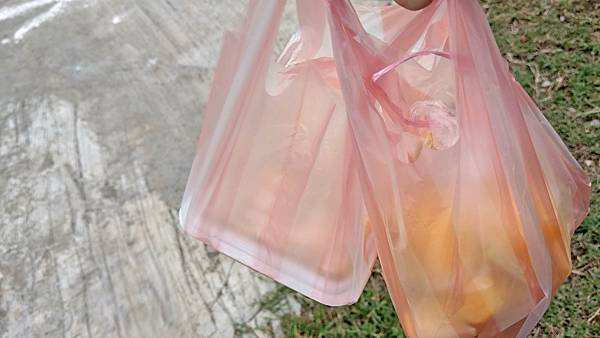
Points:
[381,132]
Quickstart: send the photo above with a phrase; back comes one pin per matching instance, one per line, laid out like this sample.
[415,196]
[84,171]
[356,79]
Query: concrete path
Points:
[100,109]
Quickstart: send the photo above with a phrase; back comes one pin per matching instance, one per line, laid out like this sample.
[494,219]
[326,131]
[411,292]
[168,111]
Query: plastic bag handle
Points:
[406,58]
[383,98]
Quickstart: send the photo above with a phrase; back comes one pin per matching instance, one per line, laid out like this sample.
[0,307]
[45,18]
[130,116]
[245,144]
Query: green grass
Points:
[553,47]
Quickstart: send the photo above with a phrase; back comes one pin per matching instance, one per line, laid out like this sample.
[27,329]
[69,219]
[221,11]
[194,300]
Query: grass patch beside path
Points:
[553,47]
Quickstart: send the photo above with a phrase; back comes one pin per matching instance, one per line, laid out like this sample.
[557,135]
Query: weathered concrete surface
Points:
[100,109]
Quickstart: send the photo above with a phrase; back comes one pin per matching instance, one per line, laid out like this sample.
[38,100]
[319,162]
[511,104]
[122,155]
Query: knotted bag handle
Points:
[383,98]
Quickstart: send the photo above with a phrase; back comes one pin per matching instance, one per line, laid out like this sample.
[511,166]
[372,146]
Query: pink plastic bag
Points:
[411,118]
[275,181]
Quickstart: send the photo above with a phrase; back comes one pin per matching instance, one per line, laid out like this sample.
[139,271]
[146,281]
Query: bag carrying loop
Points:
[406,58]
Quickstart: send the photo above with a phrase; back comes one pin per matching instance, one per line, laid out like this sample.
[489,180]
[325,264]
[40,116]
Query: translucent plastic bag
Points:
[275,181]
[471,196]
